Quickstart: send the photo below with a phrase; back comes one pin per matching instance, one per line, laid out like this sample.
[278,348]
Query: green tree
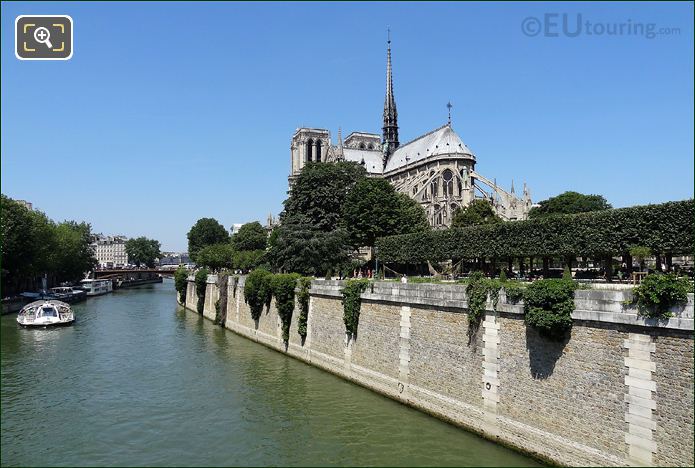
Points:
[569,203]
[251,236]
[206,231]
[142,251]
[319,191]
[216,256]
[374,209]
[181,282]
[71,253]
[300,247]
[477,213]
[246,260]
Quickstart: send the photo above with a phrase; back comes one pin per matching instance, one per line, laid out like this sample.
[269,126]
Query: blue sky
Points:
[169,112]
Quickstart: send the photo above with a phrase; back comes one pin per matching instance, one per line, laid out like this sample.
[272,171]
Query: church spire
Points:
[390,135]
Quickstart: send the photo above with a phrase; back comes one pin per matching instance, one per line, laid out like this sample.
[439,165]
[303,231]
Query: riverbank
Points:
[618,392]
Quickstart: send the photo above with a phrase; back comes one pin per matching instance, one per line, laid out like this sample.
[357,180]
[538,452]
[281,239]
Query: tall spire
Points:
[390,128]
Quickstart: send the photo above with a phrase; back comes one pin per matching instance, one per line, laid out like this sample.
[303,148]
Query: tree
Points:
[216,256]
[300,247]
[251,236]
[71,254]
[374,209]
[569,203]
[206,231]
[319,191]
[142,251]
[477,213]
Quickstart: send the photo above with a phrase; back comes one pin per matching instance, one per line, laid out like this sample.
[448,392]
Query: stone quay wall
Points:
[618,392]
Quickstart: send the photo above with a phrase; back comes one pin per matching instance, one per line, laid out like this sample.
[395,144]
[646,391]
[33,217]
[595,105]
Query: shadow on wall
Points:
[543,353]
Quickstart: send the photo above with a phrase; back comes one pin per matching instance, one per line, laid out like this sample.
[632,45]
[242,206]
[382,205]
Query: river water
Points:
[138,381]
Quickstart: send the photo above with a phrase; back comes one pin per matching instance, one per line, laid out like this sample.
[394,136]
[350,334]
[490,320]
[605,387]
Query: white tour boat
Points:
[45,313]
[96,287]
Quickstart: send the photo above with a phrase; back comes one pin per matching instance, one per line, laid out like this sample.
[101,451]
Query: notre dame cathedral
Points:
[436,169]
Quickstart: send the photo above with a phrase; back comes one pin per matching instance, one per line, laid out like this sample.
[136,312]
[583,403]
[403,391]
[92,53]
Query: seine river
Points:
[139,381]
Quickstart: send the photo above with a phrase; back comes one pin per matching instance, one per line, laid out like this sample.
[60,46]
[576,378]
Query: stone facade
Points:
[618,392]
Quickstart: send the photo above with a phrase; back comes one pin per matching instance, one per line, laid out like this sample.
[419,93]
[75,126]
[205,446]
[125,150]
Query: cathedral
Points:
[436,169]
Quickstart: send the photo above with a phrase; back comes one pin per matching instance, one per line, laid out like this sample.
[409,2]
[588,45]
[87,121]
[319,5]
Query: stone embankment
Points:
[619,391]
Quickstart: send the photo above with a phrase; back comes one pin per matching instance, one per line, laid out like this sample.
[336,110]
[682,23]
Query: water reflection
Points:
[139,381]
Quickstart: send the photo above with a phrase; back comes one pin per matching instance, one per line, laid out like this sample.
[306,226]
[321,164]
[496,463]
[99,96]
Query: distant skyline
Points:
[169,112]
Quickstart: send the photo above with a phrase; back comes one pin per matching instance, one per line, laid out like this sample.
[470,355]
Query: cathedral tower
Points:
[390,128]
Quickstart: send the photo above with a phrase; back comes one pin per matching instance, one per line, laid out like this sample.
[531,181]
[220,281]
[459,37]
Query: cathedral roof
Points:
[372,159]
[441,141]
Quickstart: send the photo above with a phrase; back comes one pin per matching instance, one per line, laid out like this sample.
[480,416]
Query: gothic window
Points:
[371,146]
[447,175]
[362,146]
[318,150]
[435,187]
[310,150]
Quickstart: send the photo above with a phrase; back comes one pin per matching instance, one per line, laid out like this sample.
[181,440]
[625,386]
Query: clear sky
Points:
[169,112]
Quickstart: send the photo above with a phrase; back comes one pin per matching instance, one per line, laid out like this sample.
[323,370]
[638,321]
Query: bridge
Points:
[133,274]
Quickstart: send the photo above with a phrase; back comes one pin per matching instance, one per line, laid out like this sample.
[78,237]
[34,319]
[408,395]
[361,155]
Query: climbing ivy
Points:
[181,283]
[478,289]
[221,304]
[514,292]
[201,279]
[257,291]
[548,306]
[283,286]
[657,293]
[351,303]
[303,284]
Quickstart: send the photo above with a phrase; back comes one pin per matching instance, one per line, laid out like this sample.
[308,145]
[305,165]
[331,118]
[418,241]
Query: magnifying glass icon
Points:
[43,35]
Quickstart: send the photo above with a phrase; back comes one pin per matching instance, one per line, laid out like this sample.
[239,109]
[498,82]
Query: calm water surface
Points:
[138,381]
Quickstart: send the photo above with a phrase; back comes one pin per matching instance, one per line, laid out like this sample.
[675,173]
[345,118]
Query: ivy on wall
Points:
[201,279]
[303,285]
[657,293]
[548,307]
[181,283]
[351,303]
[258,291]
[478,289]
[221,304]
[283,286]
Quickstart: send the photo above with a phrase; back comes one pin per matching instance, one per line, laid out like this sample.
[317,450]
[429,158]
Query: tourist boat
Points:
[96,287]
[45,313]
[67,294]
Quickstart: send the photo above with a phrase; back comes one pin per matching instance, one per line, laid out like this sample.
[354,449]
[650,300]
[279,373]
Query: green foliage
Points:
[206,231]
[318,194]
[513,291]
[251,236]
[478,289]
[216,256]
[569,203]
[33,245]
[303,248]
[247,260]
[201,281]
[283,286]
[352,303]
[667,227]
[548,306]
[503,276]
[258,291]
[181,282]
[657,293]
[303,284]
[374,209]
[567,274]
[477,213]
[142,251]
[640,253]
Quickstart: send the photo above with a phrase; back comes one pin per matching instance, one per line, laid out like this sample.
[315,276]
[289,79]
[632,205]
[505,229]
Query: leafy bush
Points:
[257,291]
[352,303]
[658,293]
[666,228]
[478,288]
[503,276]
[201,281]
[514,292]
[304,284]
[283,286]
[181,283]
[548,306]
